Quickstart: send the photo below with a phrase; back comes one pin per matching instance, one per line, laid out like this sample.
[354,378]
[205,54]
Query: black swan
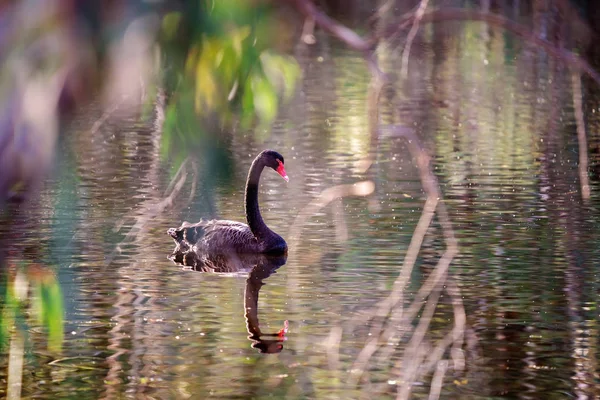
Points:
[216,236]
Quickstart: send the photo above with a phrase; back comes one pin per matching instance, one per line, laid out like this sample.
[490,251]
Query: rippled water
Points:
[505,154]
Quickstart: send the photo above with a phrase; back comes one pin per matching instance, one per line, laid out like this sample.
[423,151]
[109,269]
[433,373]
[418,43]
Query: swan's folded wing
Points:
[215,236]
[224,234]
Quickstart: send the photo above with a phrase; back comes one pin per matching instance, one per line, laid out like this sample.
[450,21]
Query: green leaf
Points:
[265,98]
[170,23]
[283,72]
[247,107]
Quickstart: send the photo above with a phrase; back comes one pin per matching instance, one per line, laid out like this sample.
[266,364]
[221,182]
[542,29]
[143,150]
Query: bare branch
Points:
[346,35]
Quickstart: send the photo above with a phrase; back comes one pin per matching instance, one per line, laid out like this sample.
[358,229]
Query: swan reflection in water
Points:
[260,266]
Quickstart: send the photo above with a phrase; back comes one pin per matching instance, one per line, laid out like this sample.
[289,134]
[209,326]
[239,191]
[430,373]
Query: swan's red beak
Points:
[281,171]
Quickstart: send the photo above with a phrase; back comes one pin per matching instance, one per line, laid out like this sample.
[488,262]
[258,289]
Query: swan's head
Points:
[274,160]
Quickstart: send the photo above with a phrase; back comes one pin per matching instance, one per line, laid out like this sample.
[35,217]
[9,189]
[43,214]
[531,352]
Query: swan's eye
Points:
[281,171]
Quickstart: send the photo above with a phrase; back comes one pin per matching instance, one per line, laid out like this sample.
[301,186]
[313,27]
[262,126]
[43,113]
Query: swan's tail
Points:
[173,233]
[187,232]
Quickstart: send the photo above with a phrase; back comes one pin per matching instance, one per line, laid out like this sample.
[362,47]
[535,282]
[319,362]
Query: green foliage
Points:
[219,56]
[170,23]
[264,98]
[181,132]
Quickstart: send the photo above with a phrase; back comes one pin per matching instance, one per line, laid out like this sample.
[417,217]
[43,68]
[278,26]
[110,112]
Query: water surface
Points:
[501,136]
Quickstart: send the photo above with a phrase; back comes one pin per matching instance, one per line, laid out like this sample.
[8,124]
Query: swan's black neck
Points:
[255,221]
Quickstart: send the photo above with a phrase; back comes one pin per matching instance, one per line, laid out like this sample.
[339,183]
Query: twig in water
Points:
[15,365]
[328,195]
[376,84]
[416,347]
[175,177]
[107,114]
[438,380]
[308,31]
[194,180]
[581,137]
[150,212]
[413,362]
[333,348]
[411,36]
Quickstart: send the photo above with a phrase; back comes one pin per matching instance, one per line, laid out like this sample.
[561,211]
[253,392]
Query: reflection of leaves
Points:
[48,306]
[45,298]
[7,317]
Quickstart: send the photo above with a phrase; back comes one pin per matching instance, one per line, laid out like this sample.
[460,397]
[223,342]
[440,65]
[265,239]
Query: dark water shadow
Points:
[261,266]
